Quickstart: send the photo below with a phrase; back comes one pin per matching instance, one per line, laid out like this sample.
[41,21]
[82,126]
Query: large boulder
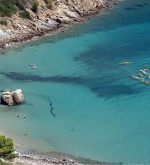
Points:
[6,98]
[18,96]
[11,98]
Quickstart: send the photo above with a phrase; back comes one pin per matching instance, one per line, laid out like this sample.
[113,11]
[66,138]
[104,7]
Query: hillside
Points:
[22,19]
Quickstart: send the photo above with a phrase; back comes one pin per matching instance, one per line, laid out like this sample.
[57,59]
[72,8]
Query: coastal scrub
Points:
[35,5]
[25,14]
[48,3]
[7,148]
[4,22]
[7,8]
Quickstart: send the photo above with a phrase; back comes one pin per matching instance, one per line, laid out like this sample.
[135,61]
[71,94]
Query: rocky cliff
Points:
[29,18]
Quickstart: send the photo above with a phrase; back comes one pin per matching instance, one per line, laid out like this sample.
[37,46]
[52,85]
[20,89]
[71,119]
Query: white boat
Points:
[33,66]
[125,63]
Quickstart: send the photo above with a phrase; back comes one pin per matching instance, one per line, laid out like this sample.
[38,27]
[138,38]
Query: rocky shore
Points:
[56,158]
[46,20]
[44,160]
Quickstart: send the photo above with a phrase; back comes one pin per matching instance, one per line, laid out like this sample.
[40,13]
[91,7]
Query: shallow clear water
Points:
[99,111]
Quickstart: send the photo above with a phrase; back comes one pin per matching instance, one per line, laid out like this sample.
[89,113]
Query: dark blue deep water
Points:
[99,112]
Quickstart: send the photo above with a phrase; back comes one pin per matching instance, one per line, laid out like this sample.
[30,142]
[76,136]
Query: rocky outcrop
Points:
[11,98]
[18,96]
[6,98]
[47,20]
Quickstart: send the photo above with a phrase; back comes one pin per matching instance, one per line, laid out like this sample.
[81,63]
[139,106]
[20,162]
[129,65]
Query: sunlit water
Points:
[99,112]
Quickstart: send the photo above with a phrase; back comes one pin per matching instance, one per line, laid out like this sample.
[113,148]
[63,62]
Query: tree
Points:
[7,148]
[35,5]
[7,8]
[4,22]
[48,3]
[25,14]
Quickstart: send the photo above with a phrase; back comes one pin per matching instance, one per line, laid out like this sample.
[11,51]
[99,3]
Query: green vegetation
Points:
[20,4]
[10,7]
[7,8]
[4,22]
[25,14]
[48,3]
[7,148]
[2,163]
[35,5]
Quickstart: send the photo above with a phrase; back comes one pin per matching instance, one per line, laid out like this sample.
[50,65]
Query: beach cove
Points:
[99,112]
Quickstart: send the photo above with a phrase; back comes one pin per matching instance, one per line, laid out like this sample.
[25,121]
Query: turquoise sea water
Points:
[99,112]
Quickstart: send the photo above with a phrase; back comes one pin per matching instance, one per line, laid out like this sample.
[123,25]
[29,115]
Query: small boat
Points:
[136,77]
[146,82]
[125,62]
[140,79]
[143,71]
[33,66]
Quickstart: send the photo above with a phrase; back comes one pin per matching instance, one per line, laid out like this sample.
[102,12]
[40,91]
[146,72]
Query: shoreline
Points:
[19,37]
[32,156]
[33,38]
[57,158]
[40,159]
[16,41]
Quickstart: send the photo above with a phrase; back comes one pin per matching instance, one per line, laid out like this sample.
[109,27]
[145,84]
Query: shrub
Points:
[48,3]
[35,5]
[4,22]
[25,14]
[6,148]
[2,163]
[20,4]
[7,8]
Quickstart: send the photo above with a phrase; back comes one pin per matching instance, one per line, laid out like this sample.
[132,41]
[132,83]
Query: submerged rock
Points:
[11,98]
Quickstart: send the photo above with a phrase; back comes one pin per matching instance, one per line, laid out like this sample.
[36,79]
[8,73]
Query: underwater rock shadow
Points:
[136,6]
[102,87]
[139,5]
[131,8]
[28,77]
[115,90]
